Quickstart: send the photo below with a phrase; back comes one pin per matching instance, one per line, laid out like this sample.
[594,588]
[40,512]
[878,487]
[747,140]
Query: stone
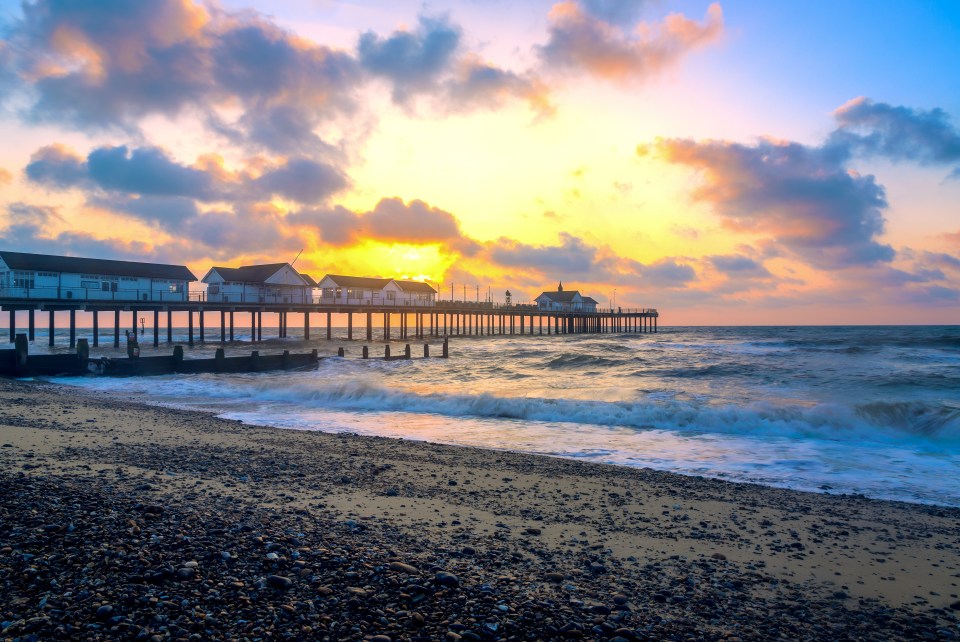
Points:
[446,579]
[279,582]
[400,567]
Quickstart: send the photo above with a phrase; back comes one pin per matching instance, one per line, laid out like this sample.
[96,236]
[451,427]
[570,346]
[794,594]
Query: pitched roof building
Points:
[565,301]
[268,283]
[47,276]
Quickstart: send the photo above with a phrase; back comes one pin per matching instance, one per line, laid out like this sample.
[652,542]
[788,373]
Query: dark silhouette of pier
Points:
[439,319]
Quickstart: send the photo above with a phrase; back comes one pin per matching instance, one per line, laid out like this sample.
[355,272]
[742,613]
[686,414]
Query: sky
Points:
[744,162]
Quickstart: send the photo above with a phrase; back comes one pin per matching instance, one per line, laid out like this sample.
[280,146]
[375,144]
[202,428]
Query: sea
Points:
[871,410]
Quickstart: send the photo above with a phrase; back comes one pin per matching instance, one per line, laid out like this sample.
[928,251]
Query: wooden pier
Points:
[443,319]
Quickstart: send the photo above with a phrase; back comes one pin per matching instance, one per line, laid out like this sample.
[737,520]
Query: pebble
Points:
[449,580]
[403,568]
[279,582]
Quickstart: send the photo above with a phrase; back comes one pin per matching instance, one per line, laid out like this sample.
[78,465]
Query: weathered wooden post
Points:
[386,352]
[366,352]
[53,328]
[73,328]
[21,346]
[340,352]
[83,354]
[156,328]
[177,358]
[133,346]
[255,361]
[219,359]
[426,350]
[406,351]
[31,328]
[286,359]
[446,348]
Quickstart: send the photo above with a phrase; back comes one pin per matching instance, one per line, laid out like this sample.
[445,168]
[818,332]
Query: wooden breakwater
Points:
[20,363]
[136,366]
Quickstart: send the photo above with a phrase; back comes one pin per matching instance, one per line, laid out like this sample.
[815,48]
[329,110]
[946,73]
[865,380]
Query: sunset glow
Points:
[739,164]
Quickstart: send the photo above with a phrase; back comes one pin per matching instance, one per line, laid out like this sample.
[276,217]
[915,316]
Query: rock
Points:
[381,638]
[186,573]
[955,606]
[719,556]
[104,612]
[600,609]
[556,578]
[400,567]
[532,531]
[279,582]
[468,550]
[620,598]
[448,580]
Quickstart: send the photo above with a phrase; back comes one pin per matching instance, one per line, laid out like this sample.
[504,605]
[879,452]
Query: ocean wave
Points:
[569,361]
[877,421]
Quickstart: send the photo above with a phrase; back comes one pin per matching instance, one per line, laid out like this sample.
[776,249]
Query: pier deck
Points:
[442,319]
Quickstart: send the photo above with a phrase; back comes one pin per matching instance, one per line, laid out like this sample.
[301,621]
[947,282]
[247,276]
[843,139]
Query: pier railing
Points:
[87,295]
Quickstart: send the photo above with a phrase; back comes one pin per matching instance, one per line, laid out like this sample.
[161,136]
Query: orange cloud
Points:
[579,40]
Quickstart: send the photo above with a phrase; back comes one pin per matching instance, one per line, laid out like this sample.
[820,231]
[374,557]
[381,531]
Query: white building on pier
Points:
[337,289]
[50,277]
[565,301]
[271,283]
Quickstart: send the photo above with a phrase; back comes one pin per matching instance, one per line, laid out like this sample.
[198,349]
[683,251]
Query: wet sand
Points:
[127,521]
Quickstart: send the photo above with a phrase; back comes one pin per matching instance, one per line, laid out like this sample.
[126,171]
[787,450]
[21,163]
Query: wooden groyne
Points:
[20,363]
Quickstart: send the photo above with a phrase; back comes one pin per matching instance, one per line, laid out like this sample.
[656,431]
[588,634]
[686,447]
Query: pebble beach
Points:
[127,521]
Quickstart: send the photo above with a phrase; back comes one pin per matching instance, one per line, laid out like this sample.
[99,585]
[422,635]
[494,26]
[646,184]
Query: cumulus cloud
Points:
[5,177]
[108,65]
[479,85]
[897,133]
[667,273]
[584,36]
[136,175]
[412,60]
[803,197]
[572,256]
[622,12]
[390,221]
[735,265]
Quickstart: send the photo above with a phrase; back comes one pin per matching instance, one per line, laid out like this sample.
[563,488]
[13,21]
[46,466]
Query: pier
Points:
[401,322]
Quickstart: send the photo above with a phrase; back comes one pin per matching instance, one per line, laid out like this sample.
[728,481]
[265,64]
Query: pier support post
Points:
[306,326]
[96,329]
[406,351]
[13,326]
[349,326]
[253,327]
[369,326]
[426,350]
[329,316]
[231,326]
[133,321]
[169,326]
[386,351]
[340,352]
[203,337]
[223,326]
[259,325]
[73,328]
[31,328]
[366,352]
[446,348]
[116,328]
[190,327]
[386,326]
[156,328]
[53,328]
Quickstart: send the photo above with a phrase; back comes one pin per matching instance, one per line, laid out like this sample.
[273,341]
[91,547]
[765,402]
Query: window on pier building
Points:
[24,280]
[176,288]
[391,295]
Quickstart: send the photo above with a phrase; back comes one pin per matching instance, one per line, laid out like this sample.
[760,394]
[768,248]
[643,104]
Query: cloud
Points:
[5,177]
[667,273]
[302,180]
[390,221]
[733,265]
[582,37]
[109,65]
[622,12]
[131,175]
[57,166]
[477,84]
[572,256]
[900,133]
[951,237]
[412,61]
[803,197]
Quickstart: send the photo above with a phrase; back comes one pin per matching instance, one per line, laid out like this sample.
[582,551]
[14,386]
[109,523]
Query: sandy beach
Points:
[126,521]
